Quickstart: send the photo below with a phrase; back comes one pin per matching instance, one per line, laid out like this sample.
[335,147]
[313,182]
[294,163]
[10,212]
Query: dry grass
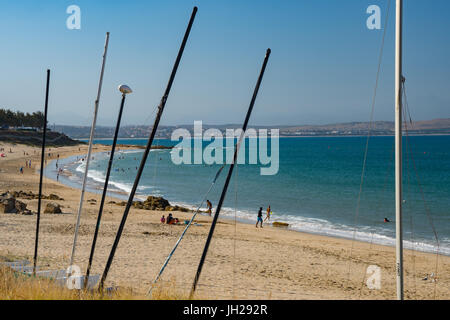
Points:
[169,290]
[19,286]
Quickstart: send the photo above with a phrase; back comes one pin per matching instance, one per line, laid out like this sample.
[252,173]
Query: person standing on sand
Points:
[209,204]
[21,170]
[259,220]
[169,218]
[268,214]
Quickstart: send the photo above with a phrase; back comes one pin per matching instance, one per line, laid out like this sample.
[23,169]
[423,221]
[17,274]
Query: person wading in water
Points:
[268,214]
[259,220]
[209,204]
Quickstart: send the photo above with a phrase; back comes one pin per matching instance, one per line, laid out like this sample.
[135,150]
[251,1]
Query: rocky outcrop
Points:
[53,196]
[155,203]
[52,208]
[9,204]
[30,195]
[177,208]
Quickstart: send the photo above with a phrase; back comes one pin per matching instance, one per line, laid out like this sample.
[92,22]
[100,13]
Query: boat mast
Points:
[41,174]
[161,107]
[230,173]
[398,148]
[88,157]
[125,90]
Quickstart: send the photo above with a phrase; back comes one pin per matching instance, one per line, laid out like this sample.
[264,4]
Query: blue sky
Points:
[322,69]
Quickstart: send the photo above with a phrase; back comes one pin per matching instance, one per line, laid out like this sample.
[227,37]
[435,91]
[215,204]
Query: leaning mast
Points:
[88,157]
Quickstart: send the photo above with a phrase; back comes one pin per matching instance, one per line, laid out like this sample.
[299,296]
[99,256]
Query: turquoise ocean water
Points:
[316,189]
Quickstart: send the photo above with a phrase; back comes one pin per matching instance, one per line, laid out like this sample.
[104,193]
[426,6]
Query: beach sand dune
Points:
[243,262]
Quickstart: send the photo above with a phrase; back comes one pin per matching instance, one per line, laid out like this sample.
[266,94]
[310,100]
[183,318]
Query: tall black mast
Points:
[147,149]
[124,91]
[36,242]
[230,172]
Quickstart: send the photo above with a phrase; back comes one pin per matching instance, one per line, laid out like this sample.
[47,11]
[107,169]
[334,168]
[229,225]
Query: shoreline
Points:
[266,263]
[346,234]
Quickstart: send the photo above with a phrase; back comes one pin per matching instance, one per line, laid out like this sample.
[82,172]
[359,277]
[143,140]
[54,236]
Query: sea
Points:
[320,187]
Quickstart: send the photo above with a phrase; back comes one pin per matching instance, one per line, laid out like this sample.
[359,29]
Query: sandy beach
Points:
[243,262]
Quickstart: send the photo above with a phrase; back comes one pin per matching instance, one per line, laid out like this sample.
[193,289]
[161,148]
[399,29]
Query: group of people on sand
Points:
[260,216]
[259,220]
[170,219]
[27,165]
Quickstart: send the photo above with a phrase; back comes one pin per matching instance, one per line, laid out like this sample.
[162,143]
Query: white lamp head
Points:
[125,89]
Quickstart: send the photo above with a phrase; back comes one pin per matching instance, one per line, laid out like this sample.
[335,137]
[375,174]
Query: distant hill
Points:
[437,126]
[34,138]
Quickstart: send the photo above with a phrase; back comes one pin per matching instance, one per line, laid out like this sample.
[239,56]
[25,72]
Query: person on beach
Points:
[268,214]
[21,170]
[259,220]
[163,219]
[169,219]
[209,204]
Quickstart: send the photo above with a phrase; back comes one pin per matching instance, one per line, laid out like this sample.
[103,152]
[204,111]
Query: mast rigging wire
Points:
[185,229]
[380,58]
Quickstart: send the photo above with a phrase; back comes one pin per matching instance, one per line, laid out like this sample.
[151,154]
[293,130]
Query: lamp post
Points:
[124,89]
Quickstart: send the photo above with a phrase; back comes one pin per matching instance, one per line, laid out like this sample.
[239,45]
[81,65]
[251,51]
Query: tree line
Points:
[20,119]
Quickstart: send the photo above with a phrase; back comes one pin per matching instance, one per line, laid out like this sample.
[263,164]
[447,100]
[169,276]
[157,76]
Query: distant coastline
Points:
[351,129]
[292,136]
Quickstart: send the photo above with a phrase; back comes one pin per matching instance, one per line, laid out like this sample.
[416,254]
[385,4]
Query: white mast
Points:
[398,148]
[88,158]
